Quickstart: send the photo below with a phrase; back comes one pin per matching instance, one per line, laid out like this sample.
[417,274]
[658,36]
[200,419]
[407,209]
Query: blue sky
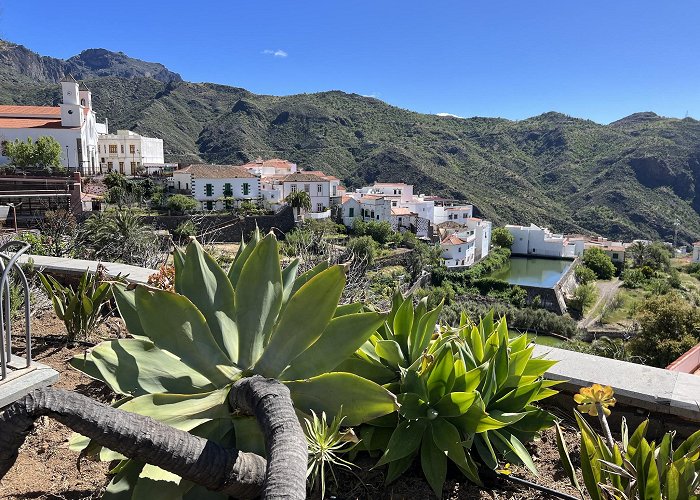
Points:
[593,59]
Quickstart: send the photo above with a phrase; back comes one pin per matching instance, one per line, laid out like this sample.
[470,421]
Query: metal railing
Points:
[9,264]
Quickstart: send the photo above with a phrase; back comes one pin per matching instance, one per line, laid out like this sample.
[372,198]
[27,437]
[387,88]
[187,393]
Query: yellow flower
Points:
[587,398]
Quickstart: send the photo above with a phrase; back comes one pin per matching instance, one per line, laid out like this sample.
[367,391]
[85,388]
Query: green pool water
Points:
[526,271]
[545,340]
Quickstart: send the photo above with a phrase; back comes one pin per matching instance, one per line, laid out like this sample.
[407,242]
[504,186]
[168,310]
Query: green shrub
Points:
[496,259]
[182,204]
[633,278]
[82,309]
[669,326]
[363,248]
[185,229]
[188,347]
[502,237]
[599,262]
[584,296]
[381,232]
[674,279]
[584,275]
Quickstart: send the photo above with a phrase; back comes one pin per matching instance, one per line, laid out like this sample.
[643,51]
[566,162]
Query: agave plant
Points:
[634,468]
[191,345]
[466,389]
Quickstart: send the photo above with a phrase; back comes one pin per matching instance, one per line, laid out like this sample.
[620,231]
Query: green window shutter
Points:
[209,189]
[246,188]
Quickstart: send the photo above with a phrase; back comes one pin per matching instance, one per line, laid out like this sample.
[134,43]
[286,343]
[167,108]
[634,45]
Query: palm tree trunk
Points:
[229,471]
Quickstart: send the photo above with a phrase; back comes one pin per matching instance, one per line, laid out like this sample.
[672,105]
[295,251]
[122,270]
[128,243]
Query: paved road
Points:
[606,291]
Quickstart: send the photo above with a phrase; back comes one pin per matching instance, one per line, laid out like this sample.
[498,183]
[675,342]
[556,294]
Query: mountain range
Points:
[638,177]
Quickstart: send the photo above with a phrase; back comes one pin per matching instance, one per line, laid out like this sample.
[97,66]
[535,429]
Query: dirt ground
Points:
[47,469]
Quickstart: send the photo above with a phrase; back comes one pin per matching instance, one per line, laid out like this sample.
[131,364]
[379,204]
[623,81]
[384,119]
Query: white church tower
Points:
[72,114]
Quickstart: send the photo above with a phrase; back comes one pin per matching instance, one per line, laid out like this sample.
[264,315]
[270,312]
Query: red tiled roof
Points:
[401,211]
[30,110]
[305,176]
[452,239]
[371,197]
[205,171]
[459,208]
[31,123]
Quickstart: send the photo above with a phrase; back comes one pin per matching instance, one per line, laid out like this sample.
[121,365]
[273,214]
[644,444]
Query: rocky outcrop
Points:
[91,63]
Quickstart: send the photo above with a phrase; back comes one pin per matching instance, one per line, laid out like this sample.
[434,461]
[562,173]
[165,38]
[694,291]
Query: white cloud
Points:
[449,114]
[275,53]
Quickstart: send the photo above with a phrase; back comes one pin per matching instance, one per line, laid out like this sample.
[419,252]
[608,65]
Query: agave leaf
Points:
[137,367]
[537,367]
[183,331]
[390,351]
[361,399]
[304,278]
[297,330]
[424,332]
[446,437]
[353,308]
[590,465]
[412,406]
[433,462]
[244,251]
[441,377]
[454,404]
[258,300]
[517,398]
[514,445]
[370,370]
[403,323]
[123,483]
[343,336]
[404,441]
[289,275]
[126,305]
[484,448]
[209,289]
[85,363]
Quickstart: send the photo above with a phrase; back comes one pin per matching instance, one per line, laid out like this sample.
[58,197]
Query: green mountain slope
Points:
[630,179]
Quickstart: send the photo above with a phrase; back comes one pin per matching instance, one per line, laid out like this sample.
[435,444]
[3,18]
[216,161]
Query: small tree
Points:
[584,275]
[380,232]
[585,296]
[47,152]
[182,204]
[599,262]
[44,153]
[669,327]
[20,153]
[115,179]
[502,237]
[299,199]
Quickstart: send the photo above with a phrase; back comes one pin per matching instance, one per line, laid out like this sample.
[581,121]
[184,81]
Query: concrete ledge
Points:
[653,389]
[22,381]
[76,267]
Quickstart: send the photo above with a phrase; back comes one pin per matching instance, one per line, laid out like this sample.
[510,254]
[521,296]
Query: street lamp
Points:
[67,157]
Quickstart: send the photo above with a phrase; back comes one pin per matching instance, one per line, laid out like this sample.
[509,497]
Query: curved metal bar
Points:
[6,313]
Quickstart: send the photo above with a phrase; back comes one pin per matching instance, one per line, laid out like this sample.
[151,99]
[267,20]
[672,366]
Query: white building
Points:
[127,152]
[696,251]
[454,213]
[482,235]
[324,190]
[73,124]
[537,241]
[458,249]
[218,187]
[275,166]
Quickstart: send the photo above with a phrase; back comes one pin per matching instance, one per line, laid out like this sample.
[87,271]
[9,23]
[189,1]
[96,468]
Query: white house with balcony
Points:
[696,252]
[73,124]
[129,153]
[540,241]
[217,187]
[458,249]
